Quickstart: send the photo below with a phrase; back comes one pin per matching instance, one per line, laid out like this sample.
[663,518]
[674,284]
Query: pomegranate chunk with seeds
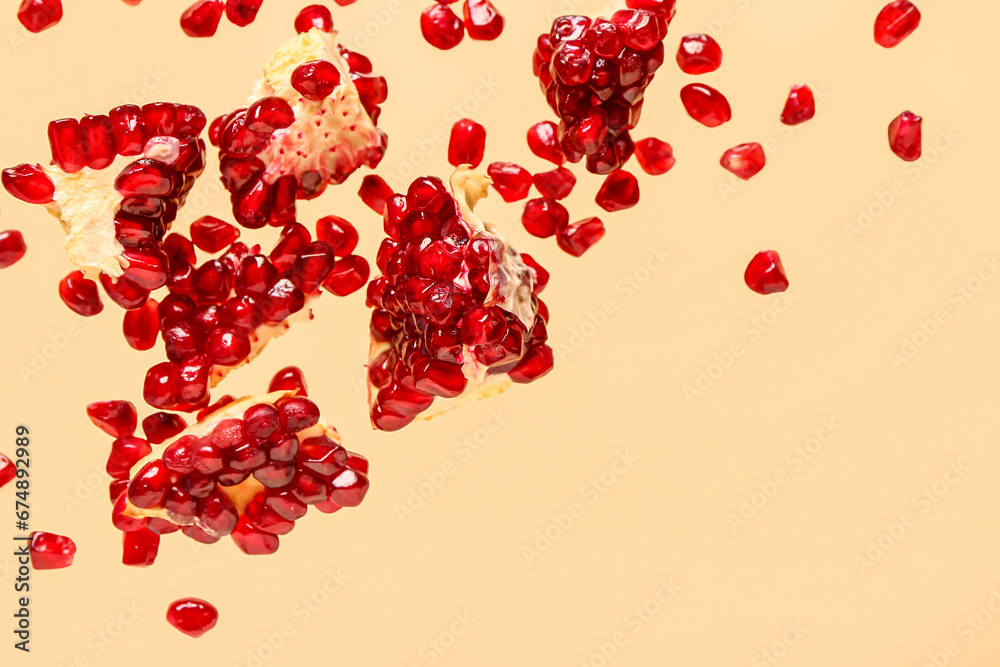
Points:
[744,161]
[706,105]
[905,136]
[896,22]
[12,248]
[511,181]
[800,105]
[654,156]
[49,551]
[456,312]
[37,15]
[192,616]
[765,274]
[8,471]
[467,144]
[699,54]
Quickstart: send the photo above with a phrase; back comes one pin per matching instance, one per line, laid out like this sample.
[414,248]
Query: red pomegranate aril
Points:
[125,453]
[699,54]
[290,378]
[312,267]
[147,488]
[337,233]
[141,327]
[565,28]
[66,143]
[349,488]
[439,378]
[375,192]
[620,191]
[298,413]
[129,129]
[511,181]
[641,29]
[555,184]
[744,161]
[212,234]
[543,140]
[147,268]
[275,474]
[579,237]
[905,136]
[190,377]
[544,217]
[12,248]
[269,114]
[116,418]
[28,183]
[158,388]
[654,156]
[800,105]
[124,292]
[146,177]
[98,141]
[202,18]
[282,300]
[242,312]
[139,547]
[160,118]
[255,276]
[540,277]
[706,104]
[538,361]
[242,12]
[212,281]
[253,541]
[37,15]
[765,274]
[49,551]
[316,79]
[227,346]
[441,27]
[572,62]
[314,16]
[246,458]
[182,339]
[192,616]
[482,21]
[467,144]
[349,274]
[605,38]
[8,471]
[161,426]
[286,505]
[896,22]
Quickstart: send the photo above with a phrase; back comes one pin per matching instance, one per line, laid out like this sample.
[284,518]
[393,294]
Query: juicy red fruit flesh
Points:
[441,27]
[655,157]
[37,15]
[12,248]
[467,144]
[192,616]
[896,22]
[765,273]
[314,16]
[620,191]
[699,54]
[49,551]
[744,161]
[8,471]
[80,294]
[511,181]
[905,136]
[706,104]
[800,105]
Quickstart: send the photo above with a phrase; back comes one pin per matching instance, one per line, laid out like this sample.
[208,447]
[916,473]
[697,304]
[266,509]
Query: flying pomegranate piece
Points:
[310,122]
[12,248]
[906,136]
[192,616]
[456,312]
[744,161]
[8,471]
[247,469]
[443,29]
[115,184]
[765,273]
[49,551]
[896,22]
[38,15]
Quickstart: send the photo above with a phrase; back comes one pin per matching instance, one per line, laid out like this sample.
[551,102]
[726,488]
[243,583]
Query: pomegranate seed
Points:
[896,22]
[482,21]
[543,140]
[227,346]
[212,234]
[146,268]
[147,488]
[467,144]
[654,156]
[663,8]
[641,29]
[161,426]
[98,141]
[706,105]
[289,379]
[579,237]
[139,547]
[699,54]
[28,183]
[66,144]
[441,27]
[124,292]
[511,181]
[202,18]
[80,294]
[337,233]
[555,184]
[146,177]
[312,267]
[566,28]
[314,16]
[129,129]
[316,79]
[619,191]
[905,136]
[253,541]
[12,248]
[800,105]
[142,326]
[605,38]
[540,277]
[349,488]
[745,160]
[375,192]
[544,217]
[765,274]
[538,361]
[242,12]
[8,471]
[269,114]
[348,275]
[37,15]
[573,62]
[125,453]
[192,616]
[116,418]
[50,551]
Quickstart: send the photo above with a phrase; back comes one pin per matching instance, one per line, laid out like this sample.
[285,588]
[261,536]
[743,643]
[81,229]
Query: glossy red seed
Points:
[896,22]
[619,191]
[905,136]
[289,379]
[98,141]
[482,21]
[510,180]
[141,327]
[12,248]
[37,15]
[145,177]
[124,292]
[212,235]
[537,362]
[348,275]
[252,540]
[706,104]
[269,114]
[149,269]
[316,79]
[242,12]
[800,105]
[765,274]
[375,192]
[314,16]
[312,267]
[441,27]
[227,346]
[663,8]
[544,217]
[543,140]
[540,277]
[699,54]
[125,453]
[49,551]
[467,144]
[573,62]
[202,18]
[641,29]
[8,471]
[129,129]
[192,616]
[579,237]
[337,233]
[116,418]
[161,426]
[745,160]
[555,184]
[654,156]
[29,183]
[139,547]
[66,144]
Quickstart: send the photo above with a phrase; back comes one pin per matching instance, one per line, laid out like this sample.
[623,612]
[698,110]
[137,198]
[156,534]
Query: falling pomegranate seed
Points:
[290,378]
[905,136]
[142,327]
[654,156]
[706,104]
[544,217]
[800,105]
[161,426]
[49,551]
[555,184]
[314,16]
[482,21]
[80,294]
[511,181]
[579,237]
[699,54]
[896,22]
[467,144]
[375,192]
[620,191]
[28,183]
[202,18]
[337,233]
[441,27]
[543,140]
[37,15]
[12,248]
[744,161]
[192,616]
[212,234]
[8,471]
[316,79]
[765,274]
[349,274]
[242,12]
[116,418]
[140,547]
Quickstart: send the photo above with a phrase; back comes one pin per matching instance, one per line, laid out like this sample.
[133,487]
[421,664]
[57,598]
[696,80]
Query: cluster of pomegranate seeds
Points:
[192,616]
[8,471]
[455,309]
[765,274]
[444,29]
[905,136]
[12,248]
[467,144]
[706,104]
[37,15]
[800,105]
[699,54]
[744,161]
[202,18]
[896,22]
[49,551]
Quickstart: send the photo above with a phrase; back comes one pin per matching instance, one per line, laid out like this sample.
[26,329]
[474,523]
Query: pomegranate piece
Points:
[620,191]
[192,616]
[37,15]
[543,140]
[905,136]
[29,183]
[511,181]
[544,217]
[699,54]
[316,79]
[140,547]
[896,22]
[80,294]
[213,235]
[314,16]
[654,156]
[577,239]
[289,379]
[765,274]
[8,471]
[161,426]
[242,13]
[375,192]
[467,144]
[141,326]
[556,184]
[482,22]
[441,27]
[706,104]
[202,18]
[12,248]
[744,161]
[800,105]
[49,551]
[116,418]
[455,311]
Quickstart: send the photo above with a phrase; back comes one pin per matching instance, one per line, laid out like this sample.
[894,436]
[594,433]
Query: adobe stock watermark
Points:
[103,638]
[726,18]
[21,36]
[48,351]
[463,450]
[772,655]
[590,492]
[796,459]
[966,632]
[434,648]
[751,331]
[634,621]
[141,92]
[94,482]
[922,502]
[956,299]
[885,199]
[380,19]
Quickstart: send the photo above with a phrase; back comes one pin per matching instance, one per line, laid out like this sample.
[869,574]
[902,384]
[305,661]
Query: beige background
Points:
[858,294]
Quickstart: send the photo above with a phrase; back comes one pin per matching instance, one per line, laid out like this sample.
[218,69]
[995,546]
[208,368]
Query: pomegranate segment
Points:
[744,161]
[49,551]
[765,274]
[192,616]
[905,136]
[12,248]
[8,471]
[800,105]
[699,54]
[896,22]
[455,309]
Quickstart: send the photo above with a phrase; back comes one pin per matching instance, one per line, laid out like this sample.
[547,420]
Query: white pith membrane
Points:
[333,136]
[512,292]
